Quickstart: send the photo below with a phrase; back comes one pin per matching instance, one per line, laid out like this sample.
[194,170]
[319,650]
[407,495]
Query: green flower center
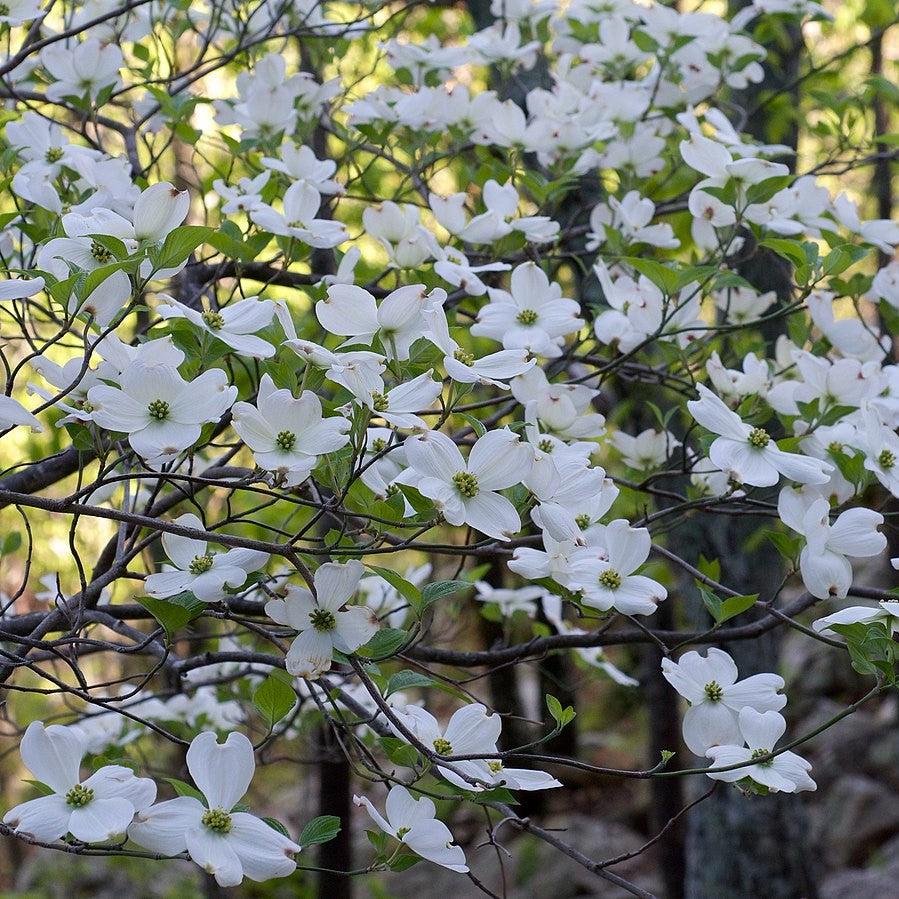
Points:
[714,691]
[200,564]
[217,819]
[213,320]
[495,767]
[834,447]
[322,620]
[54,154]
[392,490]
[526,317]
[466,483]
[101,253]
[442,746]
[378,444]
[610,579]
[546,445]
[759,438]
[464,357]
[402,832]
[159,409]
[759,753]
[886,459]
[380,402]
[583,522]
[79,796]
[286,440]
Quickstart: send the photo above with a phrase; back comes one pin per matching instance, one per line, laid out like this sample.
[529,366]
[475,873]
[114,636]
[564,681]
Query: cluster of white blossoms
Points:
[334,347]
[732,721]
[229,843]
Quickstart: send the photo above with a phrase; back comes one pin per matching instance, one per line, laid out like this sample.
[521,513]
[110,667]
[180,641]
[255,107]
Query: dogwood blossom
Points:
[227,843]
[467,491]
[532,314]
[785,773]
[92,810]
[205,574]
[160,411]
[414,823]
[287,435]
[750,454]
[709,683]
[322,623]
[823,564]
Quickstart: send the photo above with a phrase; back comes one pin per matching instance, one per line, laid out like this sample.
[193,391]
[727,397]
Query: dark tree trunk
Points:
[335,798]
[736,845]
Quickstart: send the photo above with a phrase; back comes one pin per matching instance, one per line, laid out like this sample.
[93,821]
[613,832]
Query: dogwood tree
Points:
[337,336]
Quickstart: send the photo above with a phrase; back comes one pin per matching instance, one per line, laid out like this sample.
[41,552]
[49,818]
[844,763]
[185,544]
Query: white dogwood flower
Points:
[823,564]
[463,366]
[195,568]
[351,311]
[413,822]
[298,218]
[93,810]
[750,454]
[161,413]
[235,325]
[760,731]
[226,843]
[709,683]
[322,623]
[467,492]
[609,582]
[287,435]
[531,315]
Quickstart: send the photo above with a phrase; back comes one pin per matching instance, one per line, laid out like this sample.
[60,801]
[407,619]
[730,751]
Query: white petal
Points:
[355,627]
[222,771]
[710,724]
[493,515]
[214,854]
[52,754]
[45,818]
[335,583]
[264,853]
[117,781]
[163,827]
[101,819]
[761,730]
[310,654]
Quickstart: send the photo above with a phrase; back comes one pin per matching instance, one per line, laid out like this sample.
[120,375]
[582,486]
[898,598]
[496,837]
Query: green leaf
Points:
[179,244]
[561,716]
[275,824]
[320,830]
[175,612]
[405,680]
[663,277]
[736,605]
[476,424]
[42,788]
[432,592]
[185,789]
[400,752]
[408,591]
[710,601]
[764,190]
[384,644]
[786,544]
[10,543]
[274,698]
[404,861]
